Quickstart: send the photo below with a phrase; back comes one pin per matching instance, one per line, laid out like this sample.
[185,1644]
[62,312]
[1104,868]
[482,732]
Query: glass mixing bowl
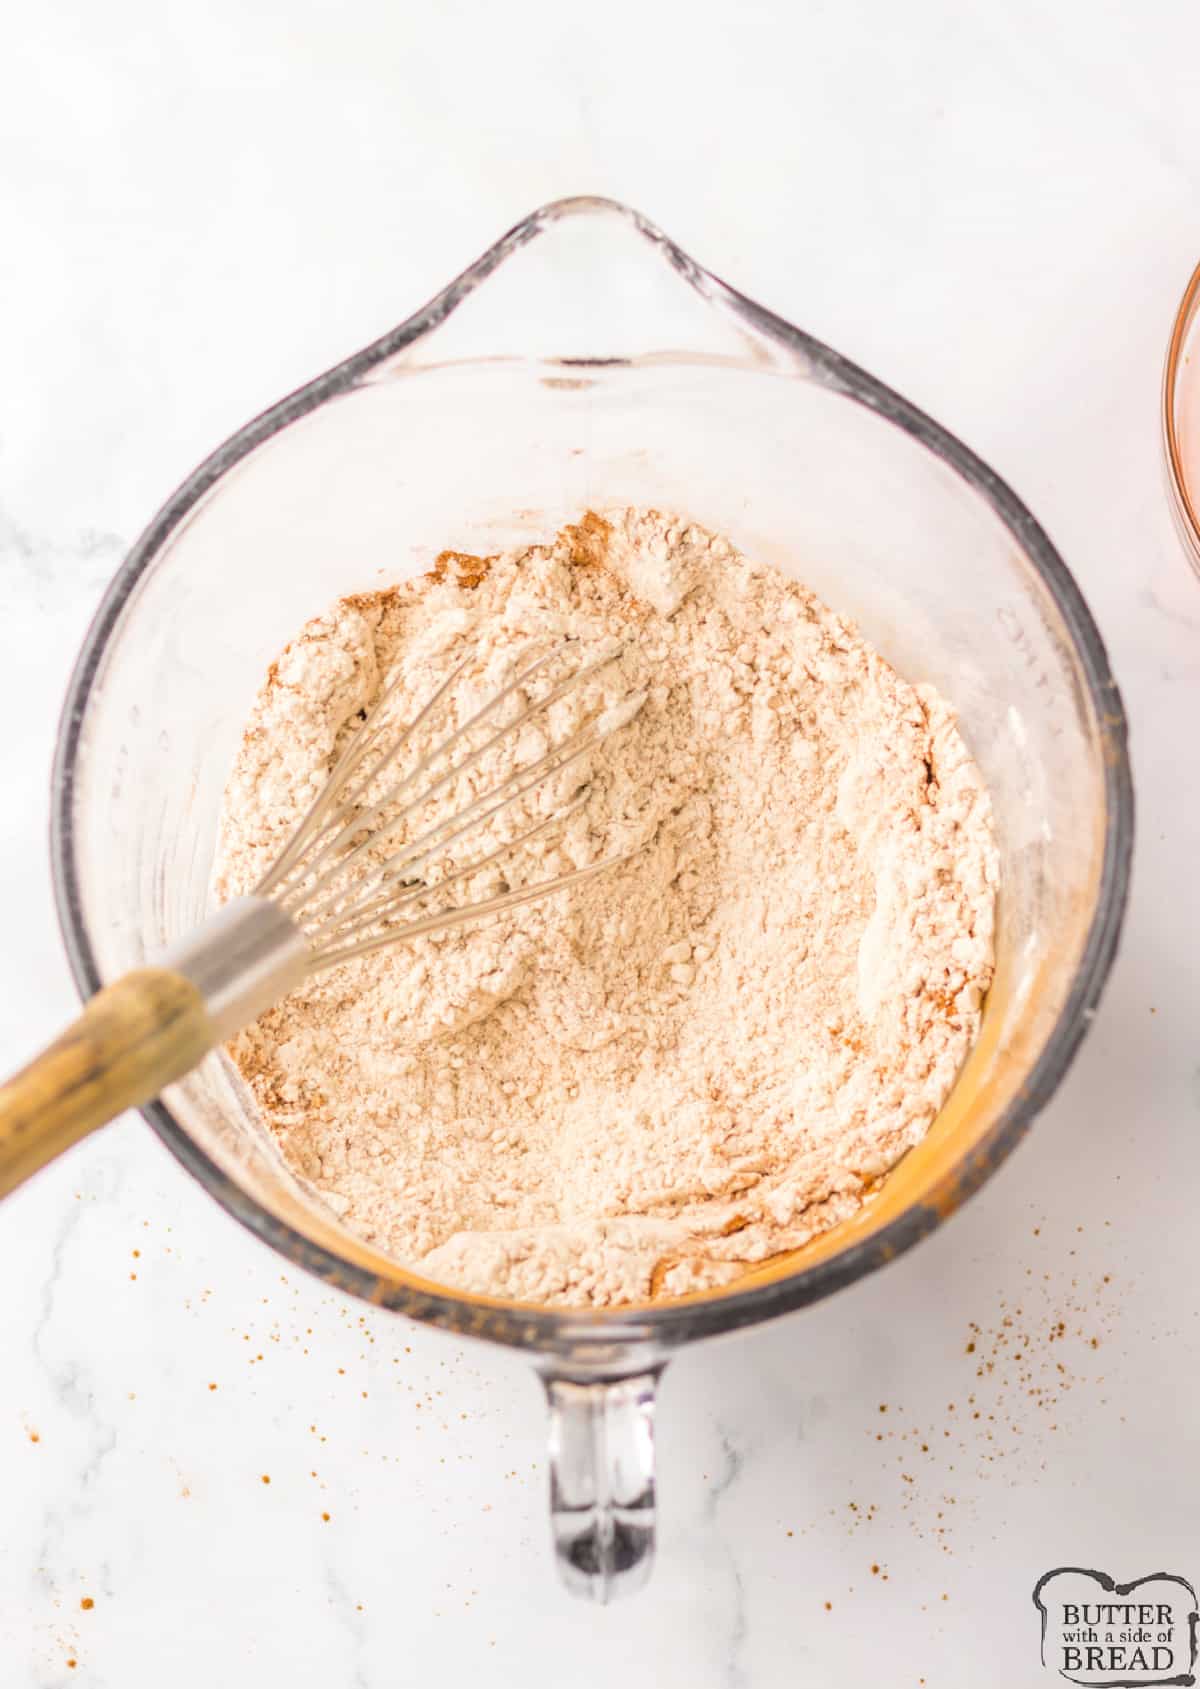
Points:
[585,361]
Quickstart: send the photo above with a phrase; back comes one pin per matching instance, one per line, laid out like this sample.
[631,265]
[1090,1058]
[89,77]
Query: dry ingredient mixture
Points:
[698,1059]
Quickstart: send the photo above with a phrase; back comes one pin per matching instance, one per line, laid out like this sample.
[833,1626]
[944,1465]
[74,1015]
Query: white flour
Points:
[691,1062]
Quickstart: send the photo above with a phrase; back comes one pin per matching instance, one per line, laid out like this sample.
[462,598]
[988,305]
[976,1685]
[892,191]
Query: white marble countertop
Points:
[994,209]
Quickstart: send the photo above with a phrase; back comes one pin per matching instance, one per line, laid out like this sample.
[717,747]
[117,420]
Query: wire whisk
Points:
[382,856]
[329,878]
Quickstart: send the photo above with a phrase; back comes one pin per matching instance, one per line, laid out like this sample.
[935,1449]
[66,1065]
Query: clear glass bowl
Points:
[585,361]
[1181,418]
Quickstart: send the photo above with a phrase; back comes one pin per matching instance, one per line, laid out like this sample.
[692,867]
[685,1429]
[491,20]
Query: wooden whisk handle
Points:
[133,1038]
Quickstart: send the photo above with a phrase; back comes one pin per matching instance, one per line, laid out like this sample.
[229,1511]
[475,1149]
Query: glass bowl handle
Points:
[602,1482]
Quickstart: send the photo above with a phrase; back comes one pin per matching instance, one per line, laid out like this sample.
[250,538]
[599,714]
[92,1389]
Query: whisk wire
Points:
[314,879]
[346,854]
[348,830]
[469,912]
[349,799]
[307,831]
[345,923]
[436,837]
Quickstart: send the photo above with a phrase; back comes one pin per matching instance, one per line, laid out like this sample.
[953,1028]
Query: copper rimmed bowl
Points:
[586,361]
[1181,418]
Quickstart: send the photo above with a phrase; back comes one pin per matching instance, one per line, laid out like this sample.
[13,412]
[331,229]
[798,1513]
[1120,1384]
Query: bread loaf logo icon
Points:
[1107,1635]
